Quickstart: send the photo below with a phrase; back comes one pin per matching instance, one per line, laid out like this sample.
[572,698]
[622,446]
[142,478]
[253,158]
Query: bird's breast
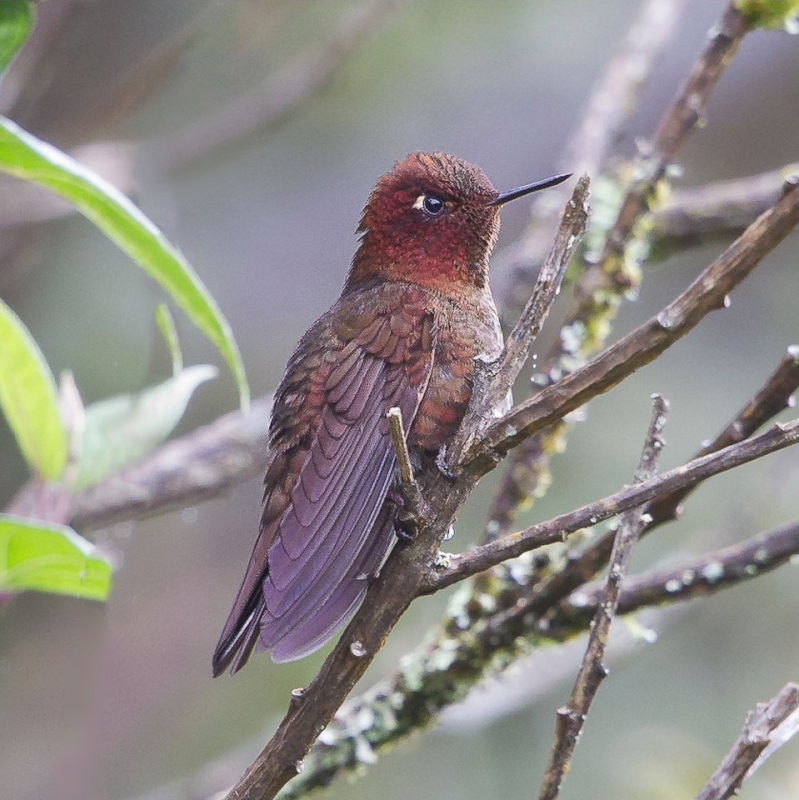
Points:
[464,332]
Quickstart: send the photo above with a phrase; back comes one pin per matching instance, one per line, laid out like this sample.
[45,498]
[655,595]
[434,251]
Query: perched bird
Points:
[415,311]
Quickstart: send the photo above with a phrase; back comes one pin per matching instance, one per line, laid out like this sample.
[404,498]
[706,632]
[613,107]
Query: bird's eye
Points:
[430,204]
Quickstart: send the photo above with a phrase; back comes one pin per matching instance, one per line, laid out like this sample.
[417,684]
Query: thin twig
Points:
[493,382]
[780,736]
[546,618]
[610,273]
[712,572]
[397,430]
[680,119]
[616,96]
[772,398]
[412,510]
[571,717]
[757,734]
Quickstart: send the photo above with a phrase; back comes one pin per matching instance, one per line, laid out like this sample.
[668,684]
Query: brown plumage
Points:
[415,312]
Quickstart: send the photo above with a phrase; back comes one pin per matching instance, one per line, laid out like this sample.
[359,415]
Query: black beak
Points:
[513,194]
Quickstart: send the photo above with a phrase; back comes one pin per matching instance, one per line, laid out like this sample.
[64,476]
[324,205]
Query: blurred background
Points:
[116,700]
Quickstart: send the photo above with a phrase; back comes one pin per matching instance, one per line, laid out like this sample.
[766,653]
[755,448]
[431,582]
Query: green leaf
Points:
[50,558]
[167,327]
[28,158]
[29,399]
[16,21]
[122,430]
[771,14]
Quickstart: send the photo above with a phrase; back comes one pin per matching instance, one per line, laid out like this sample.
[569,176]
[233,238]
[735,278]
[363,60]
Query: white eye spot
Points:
[431,204]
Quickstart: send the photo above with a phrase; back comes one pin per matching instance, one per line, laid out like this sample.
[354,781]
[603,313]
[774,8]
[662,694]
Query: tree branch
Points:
[774,396]
[413,509]
[386,600]
[692,578]
[543,617]
[705,294]
[397,431]
[556,529]
[194,467]
[780,735]
[703,213]
[680,119]
[759,731]
[613,272]
[494,382]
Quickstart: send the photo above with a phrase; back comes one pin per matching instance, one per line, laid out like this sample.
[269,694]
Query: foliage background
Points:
[115,700]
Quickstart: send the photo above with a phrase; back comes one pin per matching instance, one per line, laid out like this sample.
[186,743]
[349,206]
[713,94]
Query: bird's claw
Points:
[405,529]
[443,467]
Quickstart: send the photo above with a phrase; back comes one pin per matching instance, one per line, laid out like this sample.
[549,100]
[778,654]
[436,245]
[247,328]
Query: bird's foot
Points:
[405,524]
[405,528]
[443,466]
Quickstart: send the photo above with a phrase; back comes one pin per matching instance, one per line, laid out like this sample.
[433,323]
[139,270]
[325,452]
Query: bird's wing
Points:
[325,528]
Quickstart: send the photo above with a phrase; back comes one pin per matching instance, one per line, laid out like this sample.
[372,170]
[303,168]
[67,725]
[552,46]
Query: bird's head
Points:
[433,220]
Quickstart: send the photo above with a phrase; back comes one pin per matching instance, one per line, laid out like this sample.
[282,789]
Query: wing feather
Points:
[326,534]
[347,508]
[310,634]
[354,508]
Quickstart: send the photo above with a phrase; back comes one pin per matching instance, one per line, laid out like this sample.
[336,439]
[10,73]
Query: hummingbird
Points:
[415,312]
